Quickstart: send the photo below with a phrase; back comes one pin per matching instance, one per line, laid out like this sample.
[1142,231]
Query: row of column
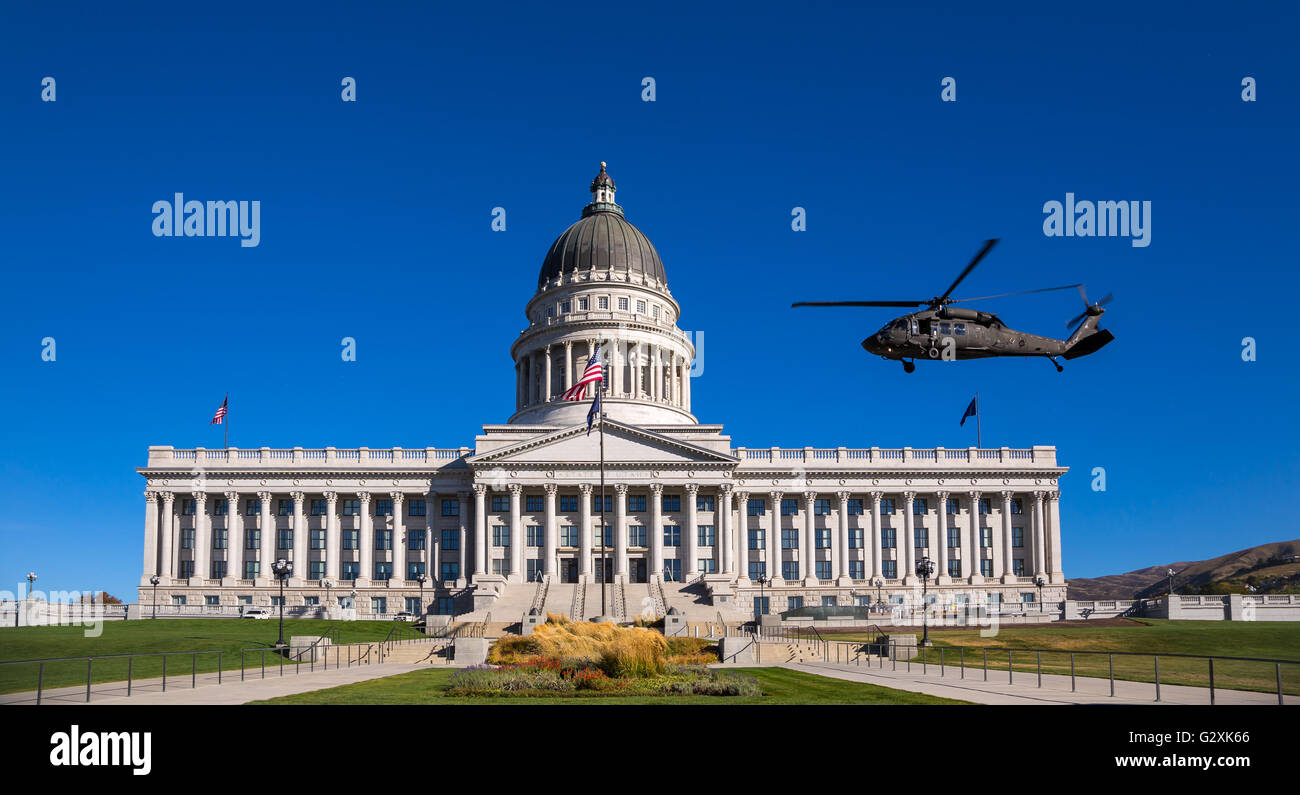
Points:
[161,548]
[669,379]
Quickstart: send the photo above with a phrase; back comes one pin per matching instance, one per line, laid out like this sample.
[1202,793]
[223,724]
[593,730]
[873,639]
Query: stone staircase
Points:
[639,602]
[432,652]
[578,605]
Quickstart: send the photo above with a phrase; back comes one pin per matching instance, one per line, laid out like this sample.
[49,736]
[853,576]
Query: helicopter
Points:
[943,332]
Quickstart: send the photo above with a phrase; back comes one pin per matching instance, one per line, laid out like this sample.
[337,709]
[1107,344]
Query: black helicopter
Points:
[945,333]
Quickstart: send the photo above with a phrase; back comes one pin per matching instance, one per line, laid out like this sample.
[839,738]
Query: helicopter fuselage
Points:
[952,333]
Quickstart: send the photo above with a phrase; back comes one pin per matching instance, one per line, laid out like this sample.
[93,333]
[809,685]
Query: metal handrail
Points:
[40,662]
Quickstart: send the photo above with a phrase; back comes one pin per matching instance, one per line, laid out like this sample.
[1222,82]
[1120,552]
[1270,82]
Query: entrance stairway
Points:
[432,652]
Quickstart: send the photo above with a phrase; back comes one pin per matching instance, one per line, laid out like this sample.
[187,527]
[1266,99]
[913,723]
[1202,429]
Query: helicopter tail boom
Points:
[1087,338]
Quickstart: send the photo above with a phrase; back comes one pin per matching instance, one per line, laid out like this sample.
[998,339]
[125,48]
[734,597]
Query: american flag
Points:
[592,375]
[220,416]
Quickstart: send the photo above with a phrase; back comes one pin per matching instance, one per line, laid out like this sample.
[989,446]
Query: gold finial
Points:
[602,165]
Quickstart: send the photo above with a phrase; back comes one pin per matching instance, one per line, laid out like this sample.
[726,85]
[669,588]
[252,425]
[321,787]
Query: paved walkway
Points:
[1025,689]
[207,691]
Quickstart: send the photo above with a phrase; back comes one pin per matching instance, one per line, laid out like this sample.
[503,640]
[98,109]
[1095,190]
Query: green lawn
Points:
[780,686]
[1265,639]
[120,637]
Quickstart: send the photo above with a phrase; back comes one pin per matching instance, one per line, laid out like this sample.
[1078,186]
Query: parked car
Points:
[257,613]
[405,615]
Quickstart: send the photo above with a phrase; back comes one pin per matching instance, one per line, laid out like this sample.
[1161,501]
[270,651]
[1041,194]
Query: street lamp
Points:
[421,580]
[763,580]
[924,570]
[328,583]
[281,569]
[1040,582]
[154,580]
[31,578]
[1171,582]
[879,582]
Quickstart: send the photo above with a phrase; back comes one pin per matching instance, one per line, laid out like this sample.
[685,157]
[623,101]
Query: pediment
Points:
[624,444]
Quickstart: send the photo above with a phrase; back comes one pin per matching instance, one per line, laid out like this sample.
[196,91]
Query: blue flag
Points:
[971,411]
[594,412]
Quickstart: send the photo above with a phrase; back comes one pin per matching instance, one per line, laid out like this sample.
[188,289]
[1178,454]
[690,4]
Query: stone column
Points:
[1008,554]
[432,556]
[299,540]
[810,539]
[941,565]
[613,363]
[842,541]
[551,533]
[151,566]
[1054,538]
[723,529]
[656,538]
[519,385]
[167,531]
[333,537]
[266,523]
[774,540]
[568,364]
[620,531]
[656,374]
[516,534]
[203,536]
[976,551]
[367,540]
[399,541]
[686,387]
[584,533]
[1040,567]
[907,542]
[480,530]
[462,527]
[546,374]
[235,535]
[876,555]
[690,566]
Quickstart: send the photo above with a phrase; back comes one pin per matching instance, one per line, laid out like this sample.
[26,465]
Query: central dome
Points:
[602,241]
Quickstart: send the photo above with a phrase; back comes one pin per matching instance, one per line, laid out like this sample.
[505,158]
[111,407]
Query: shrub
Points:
[512,649]
[618,651]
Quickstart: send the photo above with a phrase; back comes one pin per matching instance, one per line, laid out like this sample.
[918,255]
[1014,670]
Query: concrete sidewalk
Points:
[206,690]
[1025,690]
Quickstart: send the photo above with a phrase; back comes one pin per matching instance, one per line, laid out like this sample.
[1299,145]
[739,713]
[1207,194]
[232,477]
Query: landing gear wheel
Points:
[909,366]
[1059,368]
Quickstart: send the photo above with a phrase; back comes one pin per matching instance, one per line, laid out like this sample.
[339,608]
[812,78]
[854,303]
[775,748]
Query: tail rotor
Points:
[1089,308]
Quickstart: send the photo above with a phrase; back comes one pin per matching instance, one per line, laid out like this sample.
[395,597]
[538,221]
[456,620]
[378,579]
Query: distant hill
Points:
[1269,566]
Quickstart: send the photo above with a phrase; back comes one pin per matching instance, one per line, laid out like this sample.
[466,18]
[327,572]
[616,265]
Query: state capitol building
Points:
[512,521]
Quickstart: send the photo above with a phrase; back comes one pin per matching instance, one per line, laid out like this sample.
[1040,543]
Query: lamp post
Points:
[421,580]
[924,569]
[328,583]
[154,582]
[353,597]
[879,582]
[31,579]
[281,569]
[761,608]
[1171,582]
[1040,582]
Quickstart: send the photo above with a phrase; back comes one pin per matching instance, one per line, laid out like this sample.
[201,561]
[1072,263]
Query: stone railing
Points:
[329,456]
[781,456]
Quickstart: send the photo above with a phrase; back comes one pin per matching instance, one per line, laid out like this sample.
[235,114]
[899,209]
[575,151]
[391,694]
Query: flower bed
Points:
[552,677]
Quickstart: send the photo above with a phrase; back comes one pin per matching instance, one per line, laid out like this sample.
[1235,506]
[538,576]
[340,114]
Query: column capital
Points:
[331,497]
[877,496]
[776,496]
[514,488]
[1053,495]
[1007,495]
[1039,495]
[620,488]
[480,489]
[975,494]
[168,496]
[809,496]
[201,497]
[551,489]
[297,496]
[585,488]
[844,497]
[943,497]
[233,497]
[691,488]
[656,488]
[909,495]
[397,497]
[364,496]
[264,496]
[725,490]
[151,496]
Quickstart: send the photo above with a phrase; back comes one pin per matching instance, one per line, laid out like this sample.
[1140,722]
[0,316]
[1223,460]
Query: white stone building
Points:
[514,520]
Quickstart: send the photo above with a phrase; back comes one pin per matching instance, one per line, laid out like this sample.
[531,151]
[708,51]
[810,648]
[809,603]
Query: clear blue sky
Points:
[375,224]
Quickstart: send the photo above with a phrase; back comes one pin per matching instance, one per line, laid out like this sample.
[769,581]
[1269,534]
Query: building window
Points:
[673,570]
[855,507]
[533,570]
[186,570]
[857,570]
[533,503]
[595,503]
[254,507]
[789,539]
[218,569]
[284,507]
[178,600]
[500,535]
[636,503]
[317,507]
[671,503]
[954,568]
[758,539]
[535,535]
[704,503]
[568,504]
[187,538]
[986,537]
[500,503]
[1018,537]
[569,536]
[654,312]
[383,571]
[888,538]
[986,567]
[415,539]
[704,534]
[413,606]
[789,507]
[602,302]
[707,565]
[823,570]
[277,601]
[451,507]
[920,507]
[252,569]
[582,304]
[1017,507]
[921,537]
[828,601]
[757,570]
[383,507]
[889,569]
[316,569]
[995,598]
[640,307]
[352,507]
[822,536]
[351,570]
[762,605]
[887,506]
[821,507]
[622,304]
[1018,567]
[954,537]
[187,507]
[985,507]
[953,507]
[450,570]
[220,538]
[284,539]
[317,539]
[603,538]
[414,570]
[672,535]
[636,535]
[793,602]
[1027,597]
[501,566]
[446,606]
[857,537]
[379,604]
[219,508]
[450,540]
[416,508]
[565,307]
[351,539]
[790,570]
[383,539]
[756,507]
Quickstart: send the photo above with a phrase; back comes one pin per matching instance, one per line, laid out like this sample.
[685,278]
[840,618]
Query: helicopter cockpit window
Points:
[945,328]
[901,325]
[959,328]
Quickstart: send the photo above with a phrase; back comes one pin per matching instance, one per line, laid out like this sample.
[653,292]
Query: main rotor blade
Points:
[988,246]
[859,303]
[1018,292]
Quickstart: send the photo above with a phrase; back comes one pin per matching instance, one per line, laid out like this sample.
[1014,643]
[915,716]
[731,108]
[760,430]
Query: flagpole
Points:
[604,561]
[225,426]
[979,433]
